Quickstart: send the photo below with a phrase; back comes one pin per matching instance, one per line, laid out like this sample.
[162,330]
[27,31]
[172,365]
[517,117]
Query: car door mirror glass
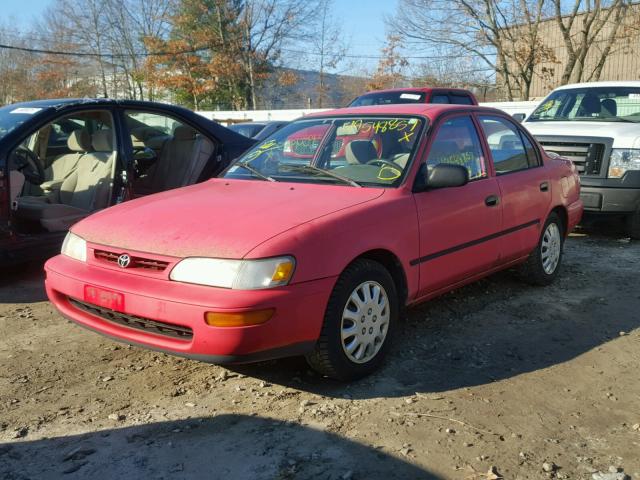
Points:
[445,175]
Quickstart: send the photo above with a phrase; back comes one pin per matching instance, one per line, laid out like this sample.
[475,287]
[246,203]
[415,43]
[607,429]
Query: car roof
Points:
[430,110]
[415,89]
[628,83]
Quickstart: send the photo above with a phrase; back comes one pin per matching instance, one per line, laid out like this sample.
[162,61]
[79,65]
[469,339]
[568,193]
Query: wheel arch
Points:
[392,263]
[561,211]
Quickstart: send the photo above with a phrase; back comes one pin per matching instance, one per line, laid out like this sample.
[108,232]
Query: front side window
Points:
[457,143]
[505,143]
[366,151]
[596,104]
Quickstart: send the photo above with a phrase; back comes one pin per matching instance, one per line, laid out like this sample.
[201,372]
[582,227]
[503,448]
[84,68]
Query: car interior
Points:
[63,172]
[168,154]
[66,170]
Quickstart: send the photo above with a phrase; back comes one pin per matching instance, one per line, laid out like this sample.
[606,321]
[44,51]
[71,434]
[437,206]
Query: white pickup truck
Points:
[597,125]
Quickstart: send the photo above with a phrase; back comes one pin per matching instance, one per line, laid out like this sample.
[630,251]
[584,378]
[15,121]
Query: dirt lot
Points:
[530,383]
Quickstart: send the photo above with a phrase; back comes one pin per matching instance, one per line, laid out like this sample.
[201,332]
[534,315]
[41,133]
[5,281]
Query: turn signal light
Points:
[238,319]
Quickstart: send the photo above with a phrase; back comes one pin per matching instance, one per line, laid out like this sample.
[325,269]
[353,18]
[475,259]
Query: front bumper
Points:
[610,195]
[292,330]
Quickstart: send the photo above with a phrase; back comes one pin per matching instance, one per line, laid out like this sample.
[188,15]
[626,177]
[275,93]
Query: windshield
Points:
[596,104]
[356,151]
[11,117]
[385,98]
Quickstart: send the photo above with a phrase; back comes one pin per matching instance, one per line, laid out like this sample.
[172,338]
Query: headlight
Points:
[74,247]
[623,160]
[235,274]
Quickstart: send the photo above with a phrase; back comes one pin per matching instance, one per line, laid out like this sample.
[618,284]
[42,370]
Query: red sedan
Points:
[280,257]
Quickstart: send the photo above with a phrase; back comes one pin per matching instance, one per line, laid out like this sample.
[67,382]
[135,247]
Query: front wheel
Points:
[360,316]
[543,264]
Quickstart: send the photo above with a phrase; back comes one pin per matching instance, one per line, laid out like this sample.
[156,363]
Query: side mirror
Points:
[519,117]
[443,175]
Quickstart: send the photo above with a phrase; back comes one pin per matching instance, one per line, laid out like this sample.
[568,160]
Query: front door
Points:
[458,226]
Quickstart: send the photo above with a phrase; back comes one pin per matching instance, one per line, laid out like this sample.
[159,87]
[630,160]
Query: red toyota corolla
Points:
[281,257]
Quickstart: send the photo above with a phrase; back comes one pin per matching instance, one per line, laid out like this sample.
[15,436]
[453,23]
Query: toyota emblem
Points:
[124,260]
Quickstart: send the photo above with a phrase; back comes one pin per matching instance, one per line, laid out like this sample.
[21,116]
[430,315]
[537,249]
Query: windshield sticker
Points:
[389,173]
[25,111]
[410,96]
[634,96]
[382,126]
[546,106]
[264,148]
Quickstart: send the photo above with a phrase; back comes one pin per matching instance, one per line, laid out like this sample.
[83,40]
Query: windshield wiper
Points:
[256,172]
[328,173]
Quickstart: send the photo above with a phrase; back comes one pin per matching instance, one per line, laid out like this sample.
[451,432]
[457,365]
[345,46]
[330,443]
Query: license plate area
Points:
[104,298]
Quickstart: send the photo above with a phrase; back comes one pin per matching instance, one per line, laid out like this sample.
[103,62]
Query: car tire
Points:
[353,329]
[543,264]
[633,225]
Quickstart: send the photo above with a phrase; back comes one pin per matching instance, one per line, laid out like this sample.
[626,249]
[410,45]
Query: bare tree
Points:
[585,24]
[266,26]
[327,45]
[482,31]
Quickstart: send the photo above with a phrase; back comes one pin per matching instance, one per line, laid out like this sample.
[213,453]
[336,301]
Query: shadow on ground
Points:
[222,447]
[22,284]
[497,328]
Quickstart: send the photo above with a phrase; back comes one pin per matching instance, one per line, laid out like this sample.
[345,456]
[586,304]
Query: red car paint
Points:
[325,227]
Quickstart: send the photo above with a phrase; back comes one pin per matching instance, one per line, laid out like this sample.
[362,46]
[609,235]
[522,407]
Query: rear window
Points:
[388,98]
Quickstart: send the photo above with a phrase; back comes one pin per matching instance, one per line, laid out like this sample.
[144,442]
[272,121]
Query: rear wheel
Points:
[543,264]
[633,225]
[358,322]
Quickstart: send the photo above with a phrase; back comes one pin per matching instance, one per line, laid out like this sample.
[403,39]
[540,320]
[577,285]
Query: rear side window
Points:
[440,98]
[532,157]
[505,142]
[461,100]
[386,98]
[457,143]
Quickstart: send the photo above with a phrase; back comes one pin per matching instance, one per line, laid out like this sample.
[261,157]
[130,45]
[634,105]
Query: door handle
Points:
[544,187]
[492,201]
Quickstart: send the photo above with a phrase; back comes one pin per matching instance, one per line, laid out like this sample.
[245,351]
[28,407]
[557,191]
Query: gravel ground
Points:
[496,380]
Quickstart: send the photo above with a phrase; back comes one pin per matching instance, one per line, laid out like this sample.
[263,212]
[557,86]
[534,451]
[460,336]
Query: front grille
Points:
[305,146]
[136,262]
[587,157]
[135,322]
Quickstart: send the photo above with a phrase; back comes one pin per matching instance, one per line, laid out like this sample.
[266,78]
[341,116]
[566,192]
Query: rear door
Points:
[524,184]
[457,225]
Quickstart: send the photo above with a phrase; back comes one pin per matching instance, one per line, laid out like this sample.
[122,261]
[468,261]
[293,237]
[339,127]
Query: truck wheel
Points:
[358,323]
[543,264]
[633,225]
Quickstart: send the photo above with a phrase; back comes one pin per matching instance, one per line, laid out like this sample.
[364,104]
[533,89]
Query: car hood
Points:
[625,135]
[220,218]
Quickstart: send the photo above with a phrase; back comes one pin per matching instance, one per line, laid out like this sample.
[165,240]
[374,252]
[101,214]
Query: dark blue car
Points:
[61,160]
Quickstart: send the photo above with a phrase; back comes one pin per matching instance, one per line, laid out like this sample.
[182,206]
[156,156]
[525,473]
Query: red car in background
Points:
[456,96]
[318,258]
